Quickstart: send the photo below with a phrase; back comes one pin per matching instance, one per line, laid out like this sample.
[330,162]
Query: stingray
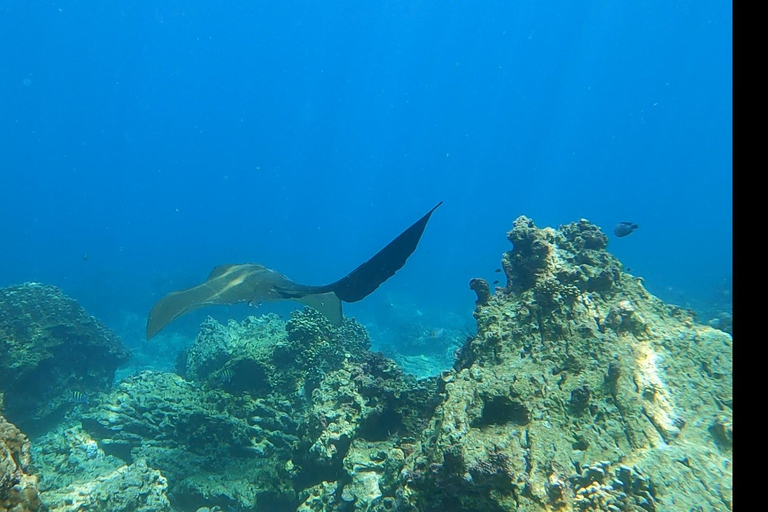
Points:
[254,284]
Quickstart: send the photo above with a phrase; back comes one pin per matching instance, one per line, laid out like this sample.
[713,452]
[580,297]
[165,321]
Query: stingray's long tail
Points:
[371,274]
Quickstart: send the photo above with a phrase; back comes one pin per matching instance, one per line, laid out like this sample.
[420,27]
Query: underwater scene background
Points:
[146,143]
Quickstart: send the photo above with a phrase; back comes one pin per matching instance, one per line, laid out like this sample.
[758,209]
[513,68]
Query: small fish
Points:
[496,282]
[497,270]
[226,375]
[624,228]
[436,333]
[85,256]
[78,397]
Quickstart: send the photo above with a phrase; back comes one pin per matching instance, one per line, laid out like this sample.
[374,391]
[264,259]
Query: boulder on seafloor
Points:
[18,487]
[51,350]
[581,391]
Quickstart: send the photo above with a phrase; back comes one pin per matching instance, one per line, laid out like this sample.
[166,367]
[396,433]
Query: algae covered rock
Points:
[373,470]
[51,348]
[18,487]
[319,498]
[77,475]
[364,418]
[580,391]
[575,374]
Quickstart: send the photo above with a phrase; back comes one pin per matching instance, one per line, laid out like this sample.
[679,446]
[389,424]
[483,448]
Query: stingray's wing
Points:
[371,274]
[227,284]
[175,304]
[328,304]
[230,284]
[233,284]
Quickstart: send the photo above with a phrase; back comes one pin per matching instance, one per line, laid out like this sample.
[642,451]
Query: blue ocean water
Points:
[144,143]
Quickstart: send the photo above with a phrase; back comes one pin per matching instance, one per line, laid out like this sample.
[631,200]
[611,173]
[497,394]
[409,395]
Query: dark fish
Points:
[253,283]
[226,376]
[78,397]
[624,228]
[497,270]
[436,333]
[496,282]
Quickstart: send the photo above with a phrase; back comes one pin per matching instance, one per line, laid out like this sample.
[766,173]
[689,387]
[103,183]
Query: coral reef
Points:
[373,401]
[135,488]
[215,448]
[723,321]
[265,354]
[18,487]
[51,348]
[579,391]
[77,475]
[576,374]
[274,410]
[67,455]
[420,338]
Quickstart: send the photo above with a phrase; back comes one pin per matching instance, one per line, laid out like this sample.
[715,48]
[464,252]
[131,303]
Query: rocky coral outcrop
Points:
[135,488]
[373,401]
[18,487]
[215,448]
[77,475]
[271,412]
[264,354]
[67,455]
[581,391]
[216,345]
[51,348]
